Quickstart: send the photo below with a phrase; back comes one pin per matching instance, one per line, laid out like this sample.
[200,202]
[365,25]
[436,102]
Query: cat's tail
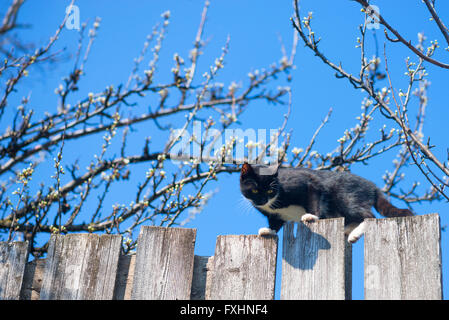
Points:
[386,209]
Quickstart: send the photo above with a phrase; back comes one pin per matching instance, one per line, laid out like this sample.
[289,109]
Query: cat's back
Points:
[294,174]
[324,178]
[299,174]
[295,179]
[346,182]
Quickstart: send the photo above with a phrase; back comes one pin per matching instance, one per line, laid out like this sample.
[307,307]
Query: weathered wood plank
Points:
[244,268]
[348,270]
[164,263]
[201,269]
[32,280]
[209,276]
[125,277]
[12,267]
[316,261]
[34,273]
[403,258]
[81,267]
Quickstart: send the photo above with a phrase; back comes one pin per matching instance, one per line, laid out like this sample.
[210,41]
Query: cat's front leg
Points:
[355,233]
[313,205]
[274,222]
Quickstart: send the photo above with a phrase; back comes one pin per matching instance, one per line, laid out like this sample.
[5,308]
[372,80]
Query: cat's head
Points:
[259,184]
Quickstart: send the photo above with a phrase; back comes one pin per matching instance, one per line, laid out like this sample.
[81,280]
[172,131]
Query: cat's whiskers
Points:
[276,203]
[244,205]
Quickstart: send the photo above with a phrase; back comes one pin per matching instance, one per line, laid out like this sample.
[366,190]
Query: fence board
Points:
[244,267]
[164,263]
[12,267]
[125,276]
[32,279]
[402,261]
[316,261]
[81,267]
[201,269]
[403,258]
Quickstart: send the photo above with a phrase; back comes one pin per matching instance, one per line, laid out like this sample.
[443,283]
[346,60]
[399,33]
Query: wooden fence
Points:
[402,260]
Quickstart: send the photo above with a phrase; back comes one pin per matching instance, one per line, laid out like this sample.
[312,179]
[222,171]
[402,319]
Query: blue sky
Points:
[254,29]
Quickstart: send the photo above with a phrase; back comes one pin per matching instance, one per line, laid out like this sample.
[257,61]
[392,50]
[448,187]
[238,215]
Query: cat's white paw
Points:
[266,232]
[357,233]
[308,217]
[352,238]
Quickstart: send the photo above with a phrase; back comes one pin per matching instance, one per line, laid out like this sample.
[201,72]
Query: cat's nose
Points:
[260,202]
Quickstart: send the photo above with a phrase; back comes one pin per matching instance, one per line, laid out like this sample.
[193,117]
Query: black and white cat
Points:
[305,195]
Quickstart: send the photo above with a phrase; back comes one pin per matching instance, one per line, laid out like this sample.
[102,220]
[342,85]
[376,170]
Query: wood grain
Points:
[201,269]
[12,267]
[316,261]
[32,280]
[81,267]
[243,268]
[125,277]
[403,258]
[164,264]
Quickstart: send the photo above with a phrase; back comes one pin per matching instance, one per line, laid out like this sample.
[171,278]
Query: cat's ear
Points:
[247,170]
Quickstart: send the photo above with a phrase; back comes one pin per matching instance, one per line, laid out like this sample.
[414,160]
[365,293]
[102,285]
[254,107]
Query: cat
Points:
[306,195]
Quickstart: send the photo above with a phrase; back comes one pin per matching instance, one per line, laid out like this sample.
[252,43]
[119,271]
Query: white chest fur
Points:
[290,213]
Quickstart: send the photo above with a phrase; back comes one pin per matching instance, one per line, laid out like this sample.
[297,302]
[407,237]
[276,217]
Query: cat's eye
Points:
[254,190]
[270,191]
